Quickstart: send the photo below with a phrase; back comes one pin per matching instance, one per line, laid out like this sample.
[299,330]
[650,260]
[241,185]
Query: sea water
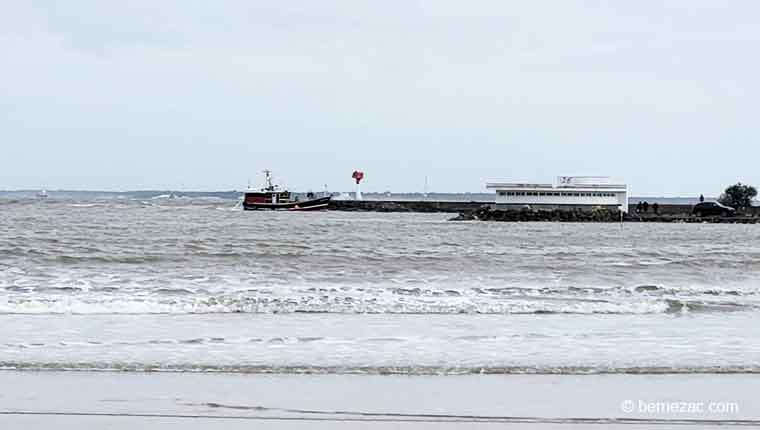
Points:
[190,286]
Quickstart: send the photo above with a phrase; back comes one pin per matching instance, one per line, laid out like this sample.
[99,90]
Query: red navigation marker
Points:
[358,175]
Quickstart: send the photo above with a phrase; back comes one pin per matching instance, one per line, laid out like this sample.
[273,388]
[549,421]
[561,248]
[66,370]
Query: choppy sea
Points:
[192,285]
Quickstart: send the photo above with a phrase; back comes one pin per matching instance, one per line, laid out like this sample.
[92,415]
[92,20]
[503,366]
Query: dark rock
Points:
[464,216]
[556,215]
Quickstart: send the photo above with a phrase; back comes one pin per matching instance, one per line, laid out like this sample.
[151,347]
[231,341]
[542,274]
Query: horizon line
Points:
[170,190]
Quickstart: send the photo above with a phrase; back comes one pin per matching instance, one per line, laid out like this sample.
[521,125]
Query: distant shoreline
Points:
[484,197]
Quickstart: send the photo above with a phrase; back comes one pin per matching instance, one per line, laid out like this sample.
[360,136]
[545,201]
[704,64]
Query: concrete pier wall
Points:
[404,206]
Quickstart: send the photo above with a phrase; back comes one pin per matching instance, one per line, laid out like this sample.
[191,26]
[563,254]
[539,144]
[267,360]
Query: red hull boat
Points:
[270,197]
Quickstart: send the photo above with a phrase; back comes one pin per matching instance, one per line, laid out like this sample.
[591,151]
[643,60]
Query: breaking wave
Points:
[176,304]
[372,370]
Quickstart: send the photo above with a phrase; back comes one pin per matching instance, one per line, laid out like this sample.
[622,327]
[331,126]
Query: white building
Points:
[568,192]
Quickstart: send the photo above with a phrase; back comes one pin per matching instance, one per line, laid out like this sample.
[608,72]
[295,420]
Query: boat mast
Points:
[268,174]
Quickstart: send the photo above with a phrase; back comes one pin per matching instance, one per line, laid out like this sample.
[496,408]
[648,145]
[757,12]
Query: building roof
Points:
[564,183]
[521,186]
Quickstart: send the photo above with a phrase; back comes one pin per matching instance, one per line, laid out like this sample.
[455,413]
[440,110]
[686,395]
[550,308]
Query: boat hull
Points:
[306,205]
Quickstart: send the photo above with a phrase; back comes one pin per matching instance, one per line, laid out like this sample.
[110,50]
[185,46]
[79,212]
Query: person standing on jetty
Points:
[645,206]
[701,198]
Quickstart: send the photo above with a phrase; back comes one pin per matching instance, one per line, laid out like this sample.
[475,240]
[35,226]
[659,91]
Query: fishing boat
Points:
[273,197]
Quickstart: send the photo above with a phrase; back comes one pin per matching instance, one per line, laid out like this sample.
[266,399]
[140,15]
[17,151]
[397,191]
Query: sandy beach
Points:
[149,400]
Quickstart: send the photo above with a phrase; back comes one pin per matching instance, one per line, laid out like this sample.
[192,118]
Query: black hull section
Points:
[306,205]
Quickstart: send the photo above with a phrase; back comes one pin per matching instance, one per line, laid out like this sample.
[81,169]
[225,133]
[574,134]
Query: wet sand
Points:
[72,400]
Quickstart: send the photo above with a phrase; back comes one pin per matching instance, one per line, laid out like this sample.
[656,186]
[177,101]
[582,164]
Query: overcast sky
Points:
[205,94]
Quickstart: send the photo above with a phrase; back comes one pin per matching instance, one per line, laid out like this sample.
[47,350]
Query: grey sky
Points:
[203,95]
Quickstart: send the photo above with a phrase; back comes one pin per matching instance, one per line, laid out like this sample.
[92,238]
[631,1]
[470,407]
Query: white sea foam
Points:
[197,305]
[372,370]
[85,205]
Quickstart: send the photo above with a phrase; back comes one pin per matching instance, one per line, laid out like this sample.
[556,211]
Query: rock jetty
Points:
[488,213]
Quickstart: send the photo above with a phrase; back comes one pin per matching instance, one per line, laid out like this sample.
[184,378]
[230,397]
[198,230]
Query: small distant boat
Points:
[42,194]
[272,197]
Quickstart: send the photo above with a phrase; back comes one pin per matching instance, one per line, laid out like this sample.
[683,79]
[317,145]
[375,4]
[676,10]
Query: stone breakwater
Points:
[488,213]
